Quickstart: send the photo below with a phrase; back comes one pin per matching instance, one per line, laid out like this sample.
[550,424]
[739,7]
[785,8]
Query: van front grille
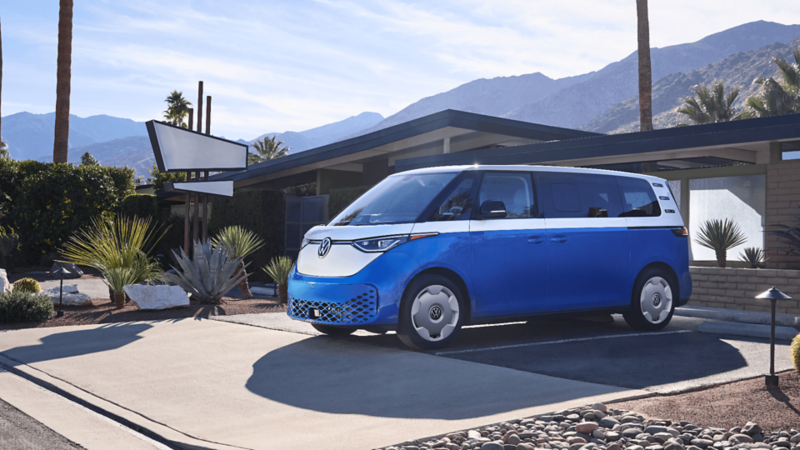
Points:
[361,309]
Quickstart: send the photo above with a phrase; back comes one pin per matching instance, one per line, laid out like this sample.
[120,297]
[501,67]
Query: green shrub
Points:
[157,178]
[139,205]
[340,199]
[51,201]
[796,352]
[27,285]
[263,212]
[19,307]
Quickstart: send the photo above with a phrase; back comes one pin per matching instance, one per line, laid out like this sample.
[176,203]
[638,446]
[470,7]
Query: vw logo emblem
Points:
[436,312]
[656,299]
[324,247]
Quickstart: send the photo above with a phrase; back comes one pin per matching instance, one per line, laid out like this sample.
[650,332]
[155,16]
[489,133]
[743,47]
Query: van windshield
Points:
[397,199]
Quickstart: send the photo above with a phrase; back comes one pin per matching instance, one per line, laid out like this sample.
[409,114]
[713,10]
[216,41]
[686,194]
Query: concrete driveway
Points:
[208,384]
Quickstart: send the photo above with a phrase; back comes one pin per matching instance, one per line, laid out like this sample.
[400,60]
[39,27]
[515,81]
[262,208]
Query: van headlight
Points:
[380,244]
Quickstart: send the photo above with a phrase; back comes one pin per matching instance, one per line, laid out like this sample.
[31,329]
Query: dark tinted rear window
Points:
[572,195]
[638,198]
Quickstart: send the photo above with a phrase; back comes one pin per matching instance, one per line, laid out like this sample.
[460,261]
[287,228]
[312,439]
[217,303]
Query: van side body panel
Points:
[660,245]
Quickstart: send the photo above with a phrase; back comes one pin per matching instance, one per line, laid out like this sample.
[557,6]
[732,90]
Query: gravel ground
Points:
[20,431]
[725,417]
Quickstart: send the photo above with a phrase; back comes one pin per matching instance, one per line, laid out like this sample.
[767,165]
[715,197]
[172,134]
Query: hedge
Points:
[18,306]
[341,198]
[140,205]
[49,201]
[263,212]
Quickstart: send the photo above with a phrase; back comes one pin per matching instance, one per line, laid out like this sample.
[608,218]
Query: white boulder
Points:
[71,296]
[157,297]
[5,285]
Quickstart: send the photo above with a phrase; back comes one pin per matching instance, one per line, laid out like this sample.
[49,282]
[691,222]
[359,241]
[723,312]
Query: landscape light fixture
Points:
[774,295]
[61,271]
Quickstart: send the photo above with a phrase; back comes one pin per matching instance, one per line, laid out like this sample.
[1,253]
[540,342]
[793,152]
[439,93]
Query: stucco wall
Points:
[736,288]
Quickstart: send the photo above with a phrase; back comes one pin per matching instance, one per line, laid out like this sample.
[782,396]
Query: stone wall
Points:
[783,196]
[736,288]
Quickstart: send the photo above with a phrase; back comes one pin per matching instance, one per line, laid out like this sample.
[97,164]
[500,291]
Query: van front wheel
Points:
[430,313]
[652,302]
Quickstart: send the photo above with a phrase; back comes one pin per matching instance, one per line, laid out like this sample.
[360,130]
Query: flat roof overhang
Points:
[418,137]
[743,142]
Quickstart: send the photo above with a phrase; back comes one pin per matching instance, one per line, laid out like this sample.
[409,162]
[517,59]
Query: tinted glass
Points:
[572,195]
[514,189]
[313,209]
[397,199]
[459,203]
[638,198]
[292,209]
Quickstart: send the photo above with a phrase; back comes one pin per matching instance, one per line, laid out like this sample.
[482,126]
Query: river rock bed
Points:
[598,427]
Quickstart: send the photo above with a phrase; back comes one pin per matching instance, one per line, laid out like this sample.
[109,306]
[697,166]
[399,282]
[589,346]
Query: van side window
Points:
[574,195]
[514,189]
[458,205]
[638,198]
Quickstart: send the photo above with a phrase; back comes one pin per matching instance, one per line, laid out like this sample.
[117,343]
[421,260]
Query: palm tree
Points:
[711,105]
[177,108]
[645,71]
[1,91]
[268,148]
[776,98]
[61,141]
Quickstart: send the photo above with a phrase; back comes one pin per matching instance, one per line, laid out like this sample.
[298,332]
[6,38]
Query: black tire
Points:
[640,315]
[334,331]
[444,318]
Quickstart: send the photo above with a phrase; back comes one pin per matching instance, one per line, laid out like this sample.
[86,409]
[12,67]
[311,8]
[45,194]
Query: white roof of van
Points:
[445,169]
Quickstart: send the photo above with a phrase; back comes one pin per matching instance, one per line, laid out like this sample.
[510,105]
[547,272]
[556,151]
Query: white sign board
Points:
[179,149]
[223,188]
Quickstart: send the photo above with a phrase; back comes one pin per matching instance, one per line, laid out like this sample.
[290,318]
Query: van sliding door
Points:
[588,245]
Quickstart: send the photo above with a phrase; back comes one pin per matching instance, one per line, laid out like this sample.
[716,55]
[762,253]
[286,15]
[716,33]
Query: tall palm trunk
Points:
[61,142]
[1,82]
[645,71]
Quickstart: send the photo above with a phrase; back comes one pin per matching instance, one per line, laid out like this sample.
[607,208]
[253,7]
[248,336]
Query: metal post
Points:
[200,107]
[196,219]
[187,197]
[61,298]
[196,229]
[772,341]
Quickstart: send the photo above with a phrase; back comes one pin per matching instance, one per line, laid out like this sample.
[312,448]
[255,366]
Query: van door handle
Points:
[559,238]
[535,240]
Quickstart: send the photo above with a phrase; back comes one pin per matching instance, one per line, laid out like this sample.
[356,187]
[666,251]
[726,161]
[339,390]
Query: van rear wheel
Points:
[333,331]
[652,303]
[430,313]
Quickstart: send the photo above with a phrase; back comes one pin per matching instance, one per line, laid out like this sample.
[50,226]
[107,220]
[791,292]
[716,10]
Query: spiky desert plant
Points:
[796,352]
[279,269]
[242,243]
[27,285]
[116,278]
[720,236]
[210,275]
[753,256]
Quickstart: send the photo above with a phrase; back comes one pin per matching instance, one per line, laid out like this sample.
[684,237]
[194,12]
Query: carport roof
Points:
[401,137]
[737,141]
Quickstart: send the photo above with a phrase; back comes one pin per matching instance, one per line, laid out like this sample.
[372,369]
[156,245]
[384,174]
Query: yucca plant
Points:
[122,243]
[753,256]
[242,243]
[720,236]
[279,269]
[116,278]
[211,274]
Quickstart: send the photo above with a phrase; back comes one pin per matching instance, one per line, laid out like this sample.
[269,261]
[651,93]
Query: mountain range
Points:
[603,101]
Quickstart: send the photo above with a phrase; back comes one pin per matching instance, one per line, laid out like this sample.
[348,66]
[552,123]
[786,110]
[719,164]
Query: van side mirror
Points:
[493,209]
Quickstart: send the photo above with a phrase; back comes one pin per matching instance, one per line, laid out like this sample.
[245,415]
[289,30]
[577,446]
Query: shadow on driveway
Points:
[336,376]
[79,342]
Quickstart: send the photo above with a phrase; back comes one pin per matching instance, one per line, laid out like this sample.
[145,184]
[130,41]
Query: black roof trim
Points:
[442,119]
[715,134]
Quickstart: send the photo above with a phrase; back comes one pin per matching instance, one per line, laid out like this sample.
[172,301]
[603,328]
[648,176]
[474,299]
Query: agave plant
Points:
[116,278]
[753,256]
[279,269]
[720,236]
[790,235]
[211,274]
[242,243]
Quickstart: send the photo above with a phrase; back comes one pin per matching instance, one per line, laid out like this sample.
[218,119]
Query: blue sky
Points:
[294,65]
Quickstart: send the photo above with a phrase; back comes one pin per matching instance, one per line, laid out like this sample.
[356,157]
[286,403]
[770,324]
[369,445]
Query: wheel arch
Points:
[663,267]
[455,278]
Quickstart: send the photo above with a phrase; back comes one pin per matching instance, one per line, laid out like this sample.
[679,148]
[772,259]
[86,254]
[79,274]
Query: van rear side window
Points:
[573,195]
[638,198]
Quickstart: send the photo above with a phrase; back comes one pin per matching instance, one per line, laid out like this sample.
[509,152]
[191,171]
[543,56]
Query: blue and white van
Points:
[427,251]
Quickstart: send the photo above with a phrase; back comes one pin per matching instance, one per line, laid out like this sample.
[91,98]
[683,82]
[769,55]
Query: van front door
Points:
[588,245]
[509,263]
